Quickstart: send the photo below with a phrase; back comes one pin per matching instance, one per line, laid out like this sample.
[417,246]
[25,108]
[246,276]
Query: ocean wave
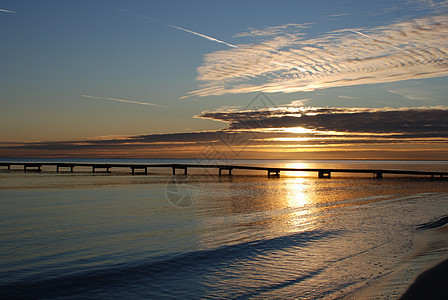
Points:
[442,221]
[158,273]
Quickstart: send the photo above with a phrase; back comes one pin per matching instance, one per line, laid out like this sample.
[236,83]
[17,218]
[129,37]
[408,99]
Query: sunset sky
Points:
[224,79]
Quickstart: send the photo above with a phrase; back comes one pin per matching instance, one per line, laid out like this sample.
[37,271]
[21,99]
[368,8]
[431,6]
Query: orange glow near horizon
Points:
[297,166]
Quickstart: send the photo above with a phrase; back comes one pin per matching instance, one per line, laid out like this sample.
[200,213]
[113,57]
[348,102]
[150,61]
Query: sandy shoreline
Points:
[431,284]
[422,275]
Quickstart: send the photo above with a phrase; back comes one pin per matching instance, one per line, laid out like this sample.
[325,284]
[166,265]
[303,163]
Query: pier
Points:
[271,172]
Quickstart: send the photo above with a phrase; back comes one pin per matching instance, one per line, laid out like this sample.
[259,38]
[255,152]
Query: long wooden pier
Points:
[271,171]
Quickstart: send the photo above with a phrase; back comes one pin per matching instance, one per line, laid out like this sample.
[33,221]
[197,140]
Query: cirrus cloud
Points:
[289,63]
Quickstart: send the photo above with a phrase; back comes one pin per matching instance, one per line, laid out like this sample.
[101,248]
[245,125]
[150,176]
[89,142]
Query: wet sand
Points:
[421,275]
[431,284]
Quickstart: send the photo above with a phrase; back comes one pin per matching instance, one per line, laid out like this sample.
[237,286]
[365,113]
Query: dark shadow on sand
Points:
[431,284]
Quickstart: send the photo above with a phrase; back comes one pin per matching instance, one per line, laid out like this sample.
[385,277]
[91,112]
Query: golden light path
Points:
[298,197]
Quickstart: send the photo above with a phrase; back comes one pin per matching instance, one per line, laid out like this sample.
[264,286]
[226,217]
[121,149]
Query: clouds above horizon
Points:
[417,121]
[288,127]
[291,29]
[285,61]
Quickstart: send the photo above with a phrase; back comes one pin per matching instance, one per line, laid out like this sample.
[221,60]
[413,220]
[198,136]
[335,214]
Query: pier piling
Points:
[225,168]
[324,174]
[378,174]
[32,165]
[59,166]
[179,167]
[276,171]
[145,168]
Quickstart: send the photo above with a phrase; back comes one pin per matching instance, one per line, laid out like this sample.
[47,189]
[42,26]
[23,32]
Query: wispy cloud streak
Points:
[180,28]
[122,100]
[7,11]
[289,63]
[290,28]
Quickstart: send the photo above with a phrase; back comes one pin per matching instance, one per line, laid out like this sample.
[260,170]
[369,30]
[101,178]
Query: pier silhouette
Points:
[271,171]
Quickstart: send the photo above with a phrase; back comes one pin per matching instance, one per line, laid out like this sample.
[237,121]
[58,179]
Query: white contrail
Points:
[122,100]
[204,36]
[7,11]
[180,28]
[363,34]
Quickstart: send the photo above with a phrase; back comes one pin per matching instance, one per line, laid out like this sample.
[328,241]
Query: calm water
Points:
[83,235]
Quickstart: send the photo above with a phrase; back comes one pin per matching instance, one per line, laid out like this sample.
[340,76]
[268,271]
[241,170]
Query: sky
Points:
[323,79]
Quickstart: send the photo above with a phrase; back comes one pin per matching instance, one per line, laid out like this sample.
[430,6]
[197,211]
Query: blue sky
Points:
[73,70]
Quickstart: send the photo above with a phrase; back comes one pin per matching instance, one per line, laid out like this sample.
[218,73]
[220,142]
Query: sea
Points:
[85,235]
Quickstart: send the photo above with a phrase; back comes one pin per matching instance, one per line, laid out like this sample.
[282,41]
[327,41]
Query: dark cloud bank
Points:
[266,127]
[431,122]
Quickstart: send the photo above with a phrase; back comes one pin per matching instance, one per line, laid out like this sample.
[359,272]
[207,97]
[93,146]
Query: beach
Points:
[430,284]
[422,274]
[114,235]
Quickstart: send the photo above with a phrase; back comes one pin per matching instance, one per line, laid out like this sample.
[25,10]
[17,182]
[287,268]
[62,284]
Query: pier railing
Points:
[271,171]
